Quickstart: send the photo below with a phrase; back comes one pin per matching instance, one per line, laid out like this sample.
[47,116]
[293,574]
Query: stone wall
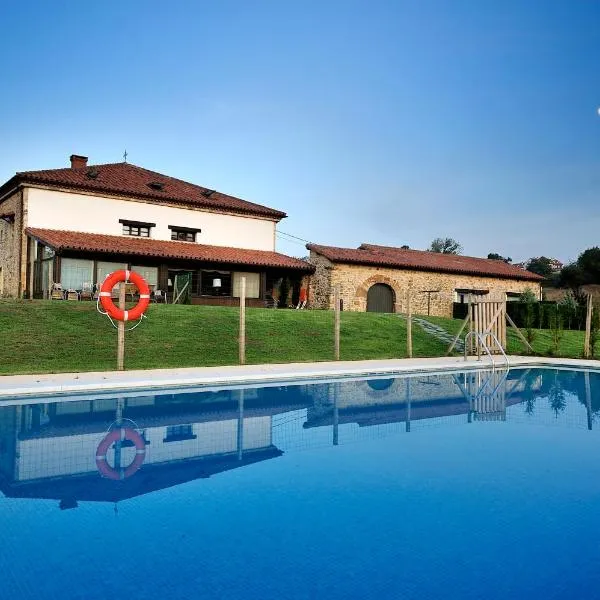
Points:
[11,239]
[354,282]
[320,292]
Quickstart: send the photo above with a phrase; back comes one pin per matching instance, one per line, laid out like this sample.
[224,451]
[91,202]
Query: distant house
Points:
[554,264]
[377,278]
[75,225]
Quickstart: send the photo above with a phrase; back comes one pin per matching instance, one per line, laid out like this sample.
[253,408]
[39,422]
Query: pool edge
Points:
[15,386]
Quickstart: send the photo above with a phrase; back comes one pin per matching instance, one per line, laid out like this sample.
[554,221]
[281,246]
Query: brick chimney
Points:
[78,162]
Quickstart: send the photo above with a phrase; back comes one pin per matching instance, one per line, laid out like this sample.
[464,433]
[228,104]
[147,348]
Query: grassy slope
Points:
[42,337]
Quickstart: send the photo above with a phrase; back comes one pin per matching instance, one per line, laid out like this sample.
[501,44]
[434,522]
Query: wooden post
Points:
[588,327]
[336,301]
[242,336]
[478,328]
[409,344]
[469,313]
[121,331]
[521,336]
[457,336]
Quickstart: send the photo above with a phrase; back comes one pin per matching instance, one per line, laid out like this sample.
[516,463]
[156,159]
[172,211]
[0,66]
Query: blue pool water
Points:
[476,485]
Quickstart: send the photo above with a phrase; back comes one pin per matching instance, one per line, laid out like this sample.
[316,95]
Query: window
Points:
[74,272]
[462,295]
[183,234]
[136,228]
[178,433]
[150,274]
[252,284]
[215,283]
[106,268]
[136,231]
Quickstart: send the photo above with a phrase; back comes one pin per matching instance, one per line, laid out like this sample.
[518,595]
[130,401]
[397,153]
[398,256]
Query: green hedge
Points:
[544,313]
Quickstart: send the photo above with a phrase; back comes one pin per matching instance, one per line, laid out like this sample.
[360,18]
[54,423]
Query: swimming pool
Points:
[461,485]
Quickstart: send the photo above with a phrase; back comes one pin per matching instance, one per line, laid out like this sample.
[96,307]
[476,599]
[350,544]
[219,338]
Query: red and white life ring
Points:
[106,295]
[120,434]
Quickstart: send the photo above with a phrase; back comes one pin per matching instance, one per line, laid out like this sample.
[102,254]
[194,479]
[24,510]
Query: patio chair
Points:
[57,293]
[131,290]
[159,296]
[87,291]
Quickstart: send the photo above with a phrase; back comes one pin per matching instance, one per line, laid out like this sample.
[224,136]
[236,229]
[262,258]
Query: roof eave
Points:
[60,248]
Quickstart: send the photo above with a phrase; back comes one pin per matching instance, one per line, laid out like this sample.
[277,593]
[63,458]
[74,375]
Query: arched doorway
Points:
[380,298]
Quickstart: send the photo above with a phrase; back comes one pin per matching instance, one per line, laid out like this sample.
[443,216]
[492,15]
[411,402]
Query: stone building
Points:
[380,278]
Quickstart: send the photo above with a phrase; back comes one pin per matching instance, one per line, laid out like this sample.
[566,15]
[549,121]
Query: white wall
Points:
[74,454]
[50,209]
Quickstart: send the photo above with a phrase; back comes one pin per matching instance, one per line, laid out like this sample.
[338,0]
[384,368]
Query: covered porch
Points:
[176,271]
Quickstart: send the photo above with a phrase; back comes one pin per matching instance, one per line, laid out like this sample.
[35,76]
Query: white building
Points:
[74,225]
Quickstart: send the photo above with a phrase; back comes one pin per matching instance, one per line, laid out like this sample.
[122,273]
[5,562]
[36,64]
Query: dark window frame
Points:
[179,433]
[183,234]
[136,228]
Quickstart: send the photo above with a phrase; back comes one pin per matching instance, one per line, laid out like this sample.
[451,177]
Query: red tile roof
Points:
[125,179]
[420,260]
[134,246]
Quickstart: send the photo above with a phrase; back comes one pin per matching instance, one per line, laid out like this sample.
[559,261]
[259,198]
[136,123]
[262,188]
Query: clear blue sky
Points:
[385,122]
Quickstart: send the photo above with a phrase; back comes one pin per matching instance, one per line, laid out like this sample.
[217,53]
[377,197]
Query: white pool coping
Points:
[12,386]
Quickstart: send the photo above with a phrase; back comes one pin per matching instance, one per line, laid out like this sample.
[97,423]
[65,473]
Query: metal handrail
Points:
[495,338]
[482,341]
[480,337]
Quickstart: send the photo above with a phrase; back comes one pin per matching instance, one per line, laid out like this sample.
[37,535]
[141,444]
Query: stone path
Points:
[439,333]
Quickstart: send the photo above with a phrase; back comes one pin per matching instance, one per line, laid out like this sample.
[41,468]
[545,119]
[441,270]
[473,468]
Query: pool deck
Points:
[12,386]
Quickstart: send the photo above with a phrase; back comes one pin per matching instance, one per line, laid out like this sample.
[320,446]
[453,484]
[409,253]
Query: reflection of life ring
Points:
[116,435]
[106,295]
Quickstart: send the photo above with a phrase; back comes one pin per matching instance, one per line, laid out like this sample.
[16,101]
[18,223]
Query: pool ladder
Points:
[481,339]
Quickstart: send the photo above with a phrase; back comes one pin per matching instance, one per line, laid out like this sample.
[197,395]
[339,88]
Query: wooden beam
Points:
[409,344]
[242,336]
[336,309]
[451,347]
[121,331]
[521,336]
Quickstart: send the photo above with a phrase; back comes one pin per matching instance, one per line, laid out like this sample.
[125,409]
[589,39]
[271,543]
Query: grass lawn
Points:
[52,337]
[570,346]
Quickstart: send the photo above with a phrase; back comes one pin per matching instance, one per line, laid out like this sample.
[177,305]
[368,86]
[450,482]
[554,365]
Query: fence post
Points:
[121,331]
[588,327]
[409,344]
[242,336]
[336,308]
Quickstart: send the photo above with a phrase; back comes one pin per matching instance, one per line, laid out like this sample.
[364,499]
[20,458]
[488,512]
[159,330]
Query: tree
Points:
[445,246]
[570,276]
[589,265]
[495,256]
[542,266]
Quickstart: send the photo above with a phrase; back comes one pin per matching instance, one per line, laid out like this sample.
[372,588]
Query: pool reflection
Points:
[109,449]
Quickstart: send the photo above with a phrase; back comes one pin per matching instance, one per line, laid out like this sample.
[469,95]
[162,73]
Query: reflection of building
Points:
[49,450]
[480,395]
